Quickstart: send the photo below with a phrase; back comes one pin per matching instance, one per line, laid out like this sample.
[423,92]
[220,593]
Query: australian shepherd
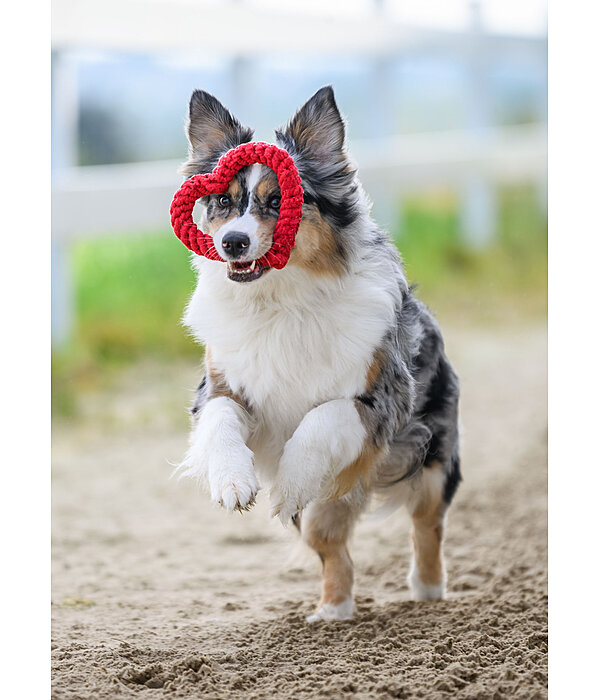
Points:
[326,380]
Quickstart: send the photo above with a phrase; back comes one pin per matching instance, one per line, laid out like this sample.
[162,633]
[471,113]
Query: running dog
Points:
[326,380]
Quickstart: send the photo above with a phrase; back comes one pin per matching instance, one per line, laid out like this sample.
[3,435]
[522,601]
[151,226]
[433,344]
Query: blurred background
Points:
[447,114]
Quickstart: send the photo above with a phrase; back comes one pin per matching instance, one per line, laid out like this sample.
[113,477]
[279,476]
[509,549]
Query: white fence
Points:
[108,199]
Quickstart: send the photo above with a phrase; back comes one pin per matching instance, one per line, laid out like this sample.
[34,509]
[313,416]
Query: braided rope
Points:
[290,208]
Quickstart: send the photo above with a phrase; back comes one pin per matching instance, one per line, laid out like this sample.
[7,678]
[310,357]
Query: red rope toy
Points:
[290,208]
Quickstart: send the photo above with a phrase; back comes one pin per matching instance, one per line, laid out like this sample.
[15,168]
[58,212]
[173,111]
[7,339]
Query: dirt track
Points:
[157,593]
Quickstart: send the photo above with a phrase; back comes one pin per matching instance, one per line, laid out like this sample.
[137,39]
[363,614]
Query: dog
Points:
[326,380]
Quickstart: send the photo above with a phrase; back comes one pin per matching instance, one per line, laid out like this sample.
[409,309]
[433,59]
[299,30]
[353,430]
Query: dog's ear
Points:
[211,130]
[317,129]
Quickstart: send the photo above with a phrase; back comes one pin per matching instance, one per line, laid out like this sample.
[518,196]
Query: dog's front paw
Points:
[298,481]
[229,474]
[232,480]
[235,493]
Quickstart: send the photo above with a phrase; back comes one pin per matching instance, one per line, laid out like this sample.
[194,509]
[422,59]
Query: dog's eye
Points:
[274,202]
[224,200]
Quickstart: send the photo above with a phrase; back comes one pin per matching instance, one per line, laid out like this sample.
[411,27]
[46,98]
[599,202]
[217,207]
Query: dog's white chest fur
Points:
[289,344]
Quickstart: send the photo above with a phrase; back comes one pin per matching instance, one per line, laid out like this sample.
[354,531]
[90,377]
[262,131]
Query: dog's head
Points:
[241,221]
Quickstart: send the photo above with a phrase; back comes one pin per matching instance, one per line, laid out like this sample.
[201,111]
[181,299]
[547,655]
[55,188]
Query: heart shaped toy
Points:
[290,208]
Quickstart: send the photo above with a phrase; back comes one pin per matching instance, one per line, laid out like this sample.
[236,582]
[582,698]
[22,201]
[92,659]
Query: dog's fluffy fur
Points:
[326,380]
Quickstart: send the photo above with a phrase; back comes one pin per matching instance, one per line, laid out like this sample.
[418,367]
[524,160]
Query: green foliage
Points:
[505,282]
[131,292]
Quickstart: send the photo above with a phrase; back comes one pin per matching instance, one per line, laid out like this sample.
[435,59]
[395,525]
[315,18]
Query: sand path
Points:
[156,593]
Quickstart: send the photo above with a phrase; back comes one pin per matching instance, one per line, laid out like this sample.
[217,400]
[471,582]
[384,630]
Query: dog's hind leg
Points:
[326,526]
[428,506]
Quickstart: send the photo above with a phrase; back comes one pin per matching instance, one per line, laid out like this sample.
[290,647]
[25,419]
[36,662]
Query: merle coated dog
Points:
[326,380]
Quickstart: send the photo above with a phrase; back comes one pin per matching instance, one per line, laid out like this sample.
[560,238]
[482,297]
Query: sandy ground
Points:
[156,593]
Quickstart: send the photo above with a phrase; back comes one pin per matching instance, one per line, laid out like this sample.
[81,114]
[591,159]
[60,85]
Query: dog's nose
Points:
[235,244]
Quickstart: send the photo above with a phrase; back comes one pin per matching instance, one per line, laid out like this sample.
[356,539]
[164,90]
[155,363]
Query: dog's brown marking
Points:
[338,575]
[267,186]
[427,537]
[374,370]
[326,531]
[316,248]
[362,468]
[427,534]
[218,385]
[234,189]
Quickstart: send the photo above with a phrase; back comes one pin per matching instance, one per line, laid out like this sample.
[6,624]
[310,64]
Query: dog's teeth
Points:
[241,270]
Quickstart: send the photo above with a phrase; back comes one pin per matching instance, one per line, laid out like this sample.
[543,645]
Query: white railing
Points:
[108,199]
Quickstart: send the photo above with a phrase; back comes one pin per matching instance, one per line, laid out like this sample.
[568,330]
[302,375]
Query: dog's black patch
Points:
[245,195]
[433,449]
[340,214]
[367,400]
[453,479]
[200,398]
[430,347]
[439,390]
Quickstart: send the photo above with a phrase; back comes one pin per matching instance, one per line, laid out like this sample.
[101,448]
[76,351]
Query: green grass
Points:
[131,290]
[130,294]
[506,281]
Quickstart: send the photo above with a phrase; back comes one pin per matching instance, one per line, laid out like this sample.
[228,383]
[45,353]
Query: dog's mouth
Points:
[245,271]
